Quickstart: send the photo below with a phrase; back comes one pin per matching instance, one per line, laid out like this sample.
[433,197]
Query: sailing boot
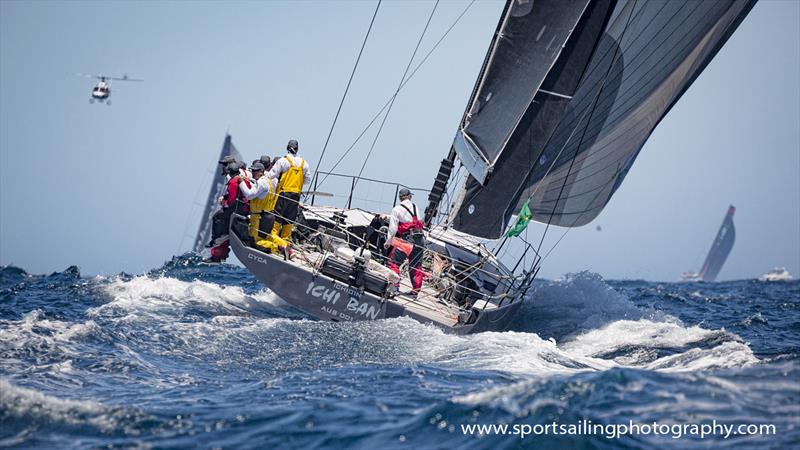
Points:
[286,232]
[268,245]
[276,229]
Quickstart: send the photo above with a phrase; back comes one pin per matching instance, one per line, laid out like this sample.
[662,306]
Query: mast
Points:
[439,186]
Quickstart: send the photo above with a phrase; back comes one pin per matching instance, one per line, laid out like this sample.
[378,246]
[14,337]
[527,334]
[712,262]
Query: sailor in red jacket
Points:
[233,200]
[233,195]
[404,223]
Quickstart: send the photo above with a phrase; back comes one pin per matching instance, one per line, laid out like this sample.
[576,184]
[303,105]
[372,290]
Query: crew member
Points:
[234,200]
[219,228]
[292,173]
[231,159]
[267,161]
[404,223]
[243,171]
[227,159]
[262,196]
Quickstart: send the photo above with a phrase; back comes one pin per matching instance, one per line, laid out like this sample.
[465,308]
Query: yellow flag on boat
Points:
[522,221]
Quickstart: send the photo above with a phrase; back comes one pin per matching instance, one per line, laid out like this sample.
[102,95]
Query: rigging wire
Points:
[344,96]
[394,97]
[413,72]
[191,211]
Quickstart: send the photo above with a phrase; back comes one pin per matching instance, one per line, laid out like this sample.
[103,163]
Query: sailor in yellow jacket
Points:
[292,173]
[262,196]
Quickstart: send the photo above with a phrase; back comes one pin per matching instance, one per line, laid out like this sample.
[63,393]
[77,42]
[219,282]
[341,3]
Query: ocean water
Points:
[191,356]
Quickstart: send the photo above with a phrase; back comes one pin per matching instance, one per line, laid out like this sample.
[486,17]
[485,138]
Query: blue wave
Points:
[192,355]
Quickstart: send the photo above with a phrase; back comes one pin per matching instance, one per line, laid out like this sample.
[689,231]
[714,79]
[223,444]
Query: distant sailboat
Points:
[216,190]
[719,252]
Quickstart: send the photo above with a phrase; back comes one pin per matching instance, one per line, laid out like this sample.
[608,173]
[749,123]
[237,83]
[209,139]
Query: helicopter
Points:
[102,90]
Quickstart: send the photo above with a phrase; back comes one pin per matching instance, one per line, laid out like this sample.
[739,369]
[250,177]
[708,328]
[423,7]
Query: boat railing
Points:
[498,279]
[351,191]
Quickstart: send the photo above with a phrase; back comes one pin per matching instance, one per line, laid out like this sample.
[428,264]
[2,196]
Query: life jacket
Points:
[412,228]
[292,180]
[265,204]
[402,246]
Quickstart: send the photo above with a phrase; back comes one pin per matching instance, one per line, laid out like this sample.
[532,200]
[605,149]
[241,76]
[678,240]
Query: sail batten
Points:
[620,72]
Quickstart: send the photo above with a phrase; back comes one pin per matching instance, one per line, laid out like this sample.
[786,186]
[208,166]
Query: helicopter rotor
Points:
[124,77]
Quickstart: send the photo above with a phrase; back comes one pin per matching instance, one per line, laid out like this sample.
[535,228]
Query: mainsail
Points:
[526,44]
[621,69]
[720,248]
[216,190]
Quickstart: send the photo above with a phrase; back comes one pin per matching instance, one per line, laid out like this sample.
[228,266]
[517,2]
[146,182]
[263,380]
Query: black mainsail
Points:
[621,66]
[216,190]
[720,249]
[526,44]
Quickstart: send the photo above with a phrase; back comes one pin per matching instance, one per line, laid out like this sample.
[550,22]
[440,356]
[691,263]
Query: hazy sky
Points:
[113,188]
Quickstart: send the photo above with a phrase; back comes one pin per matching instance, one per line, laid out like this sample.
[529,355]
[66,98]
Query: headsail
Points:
[624,66]
[216,190]
[720,249]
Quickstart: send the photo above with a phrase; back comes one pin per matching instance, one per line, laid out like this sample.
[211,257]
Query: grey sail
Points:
[216,190]
[621,70]
[720,249]
[527,42]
